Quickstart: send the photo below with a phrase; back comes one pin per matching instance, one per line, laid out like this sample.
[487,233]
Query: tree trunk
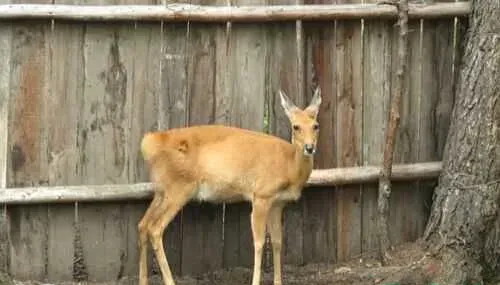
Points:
[464,226]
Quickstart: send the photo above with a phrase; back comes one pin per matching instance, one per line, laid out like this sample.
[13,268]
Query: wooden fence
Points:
[76,97]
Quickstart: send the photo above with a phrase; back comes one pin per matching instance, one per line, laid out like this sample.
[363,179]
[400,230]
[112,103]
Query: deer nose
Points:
[309,149]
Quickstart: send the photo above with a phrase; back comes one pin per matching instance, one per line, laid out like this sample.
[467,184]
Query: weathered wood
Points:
[366,174]
[30,71]
[130,85]
[376,95]
[5,56]
[60,242]
[285,72]
[223,105]
[109,57]
[140,191]
[83,193]
[173,108]
[66,94]
[4,239]
[143,117]
[28,247]
[144,104]
[348,143]
[403,203]
[385,186]
[436,104]
[103,239]
[246,93]
[242,13]
[202,240]
[319,210]
[30,74]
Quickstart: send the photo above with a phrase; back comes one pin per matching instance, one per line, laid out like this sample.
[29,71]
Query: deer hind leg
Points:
[260,211]
[170,205]
[143,239]
[274,225]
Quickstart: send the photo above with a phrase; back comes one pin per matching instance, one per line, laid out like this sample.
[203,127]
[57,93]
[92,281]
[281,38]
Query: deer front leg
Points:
[274,225]
[260,211]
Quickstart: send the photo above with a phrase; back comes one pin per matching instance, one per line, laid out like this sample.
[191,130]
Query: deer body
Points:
[217,164]
[212,157]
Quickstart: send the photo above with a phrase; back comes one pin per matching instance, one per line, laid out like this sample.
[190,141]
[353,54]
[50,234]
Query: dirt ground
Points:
[360,271]
[408,266]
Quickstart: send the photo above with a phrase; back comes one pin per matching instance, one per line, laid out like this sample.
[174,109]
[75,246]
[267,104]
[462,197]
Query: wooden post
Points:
[384,190]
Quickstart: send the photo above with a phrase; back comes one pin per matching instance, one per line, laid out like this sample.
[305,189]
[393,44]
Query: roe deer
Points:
[227,164]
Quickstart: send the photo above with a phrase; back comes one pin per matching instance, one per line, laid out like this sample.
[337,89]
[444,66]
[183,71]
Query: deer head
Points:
[305,127]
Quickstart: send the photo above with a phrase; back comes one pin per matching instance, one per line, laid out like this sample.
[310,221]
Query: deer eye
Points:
[316,127]
[296,127]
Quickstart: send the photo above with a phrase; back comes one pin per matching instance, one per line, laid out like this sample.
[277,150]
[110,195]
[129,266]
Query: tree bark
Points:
[464,226]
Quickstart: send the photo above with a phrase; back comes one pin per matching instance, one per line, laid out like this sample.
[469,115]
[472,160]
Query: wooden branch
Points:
[197,13]
[384,190]
[142,191]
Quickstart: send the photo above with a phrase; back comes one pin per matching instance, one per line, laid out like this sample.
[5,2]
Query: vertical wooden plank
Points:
[248,66]
[202,241]
[66,95]
[376,95]
[402,204]
[237,235]
[144,106]
[201,238]
[4,239]
[245,92]
[118,92]
[285,73]
[173,113]
[319,203]
[349,134]
[5,56]
[27,160]
[436,104]
[30,72]
[28,252]
[108,62]
[109,54]
[223,84]
[101,229]
[62,142]
[144,117]
[60,245]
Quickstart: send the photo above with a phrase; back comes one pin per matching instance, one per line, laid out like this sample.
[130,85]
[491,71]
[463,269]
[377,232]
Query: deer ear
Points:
[313,108]
[287,104]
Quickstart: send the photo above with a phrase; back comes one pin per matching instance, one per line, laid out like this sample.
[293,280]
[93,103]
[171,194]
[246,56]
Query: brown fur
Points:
[216,163]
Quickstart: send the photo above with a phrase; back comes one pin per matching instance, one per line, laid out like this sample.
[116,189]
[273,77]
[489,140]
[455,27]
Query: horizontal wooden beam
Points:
[197,13]
[141,191]
[367,174]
